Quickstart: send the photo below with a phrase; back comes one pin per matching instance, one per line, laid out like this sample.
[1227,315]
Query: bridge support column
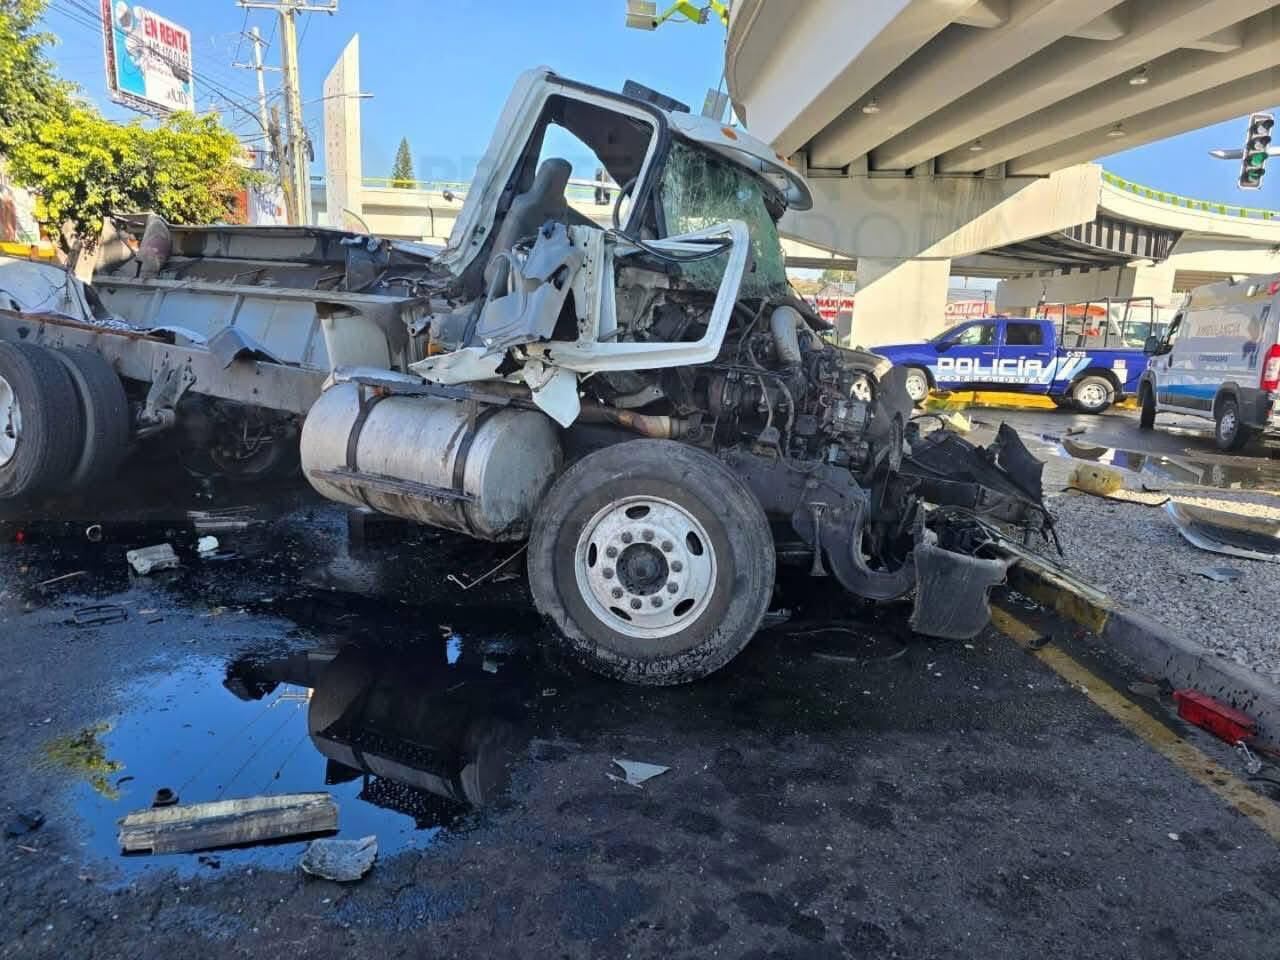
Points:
[899,300]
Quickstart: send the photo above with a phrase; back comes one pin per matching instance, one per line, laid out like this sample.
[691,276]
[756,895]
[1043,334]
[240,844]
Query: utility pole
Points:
[269,122]
[295,159]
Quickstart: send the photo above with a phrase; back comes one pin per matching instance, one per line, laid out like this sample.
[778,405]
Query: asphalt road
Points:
[853,792]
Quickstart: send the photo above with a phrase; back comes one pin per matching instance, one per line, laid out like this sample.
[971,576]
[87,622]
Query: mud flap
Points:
[951,592]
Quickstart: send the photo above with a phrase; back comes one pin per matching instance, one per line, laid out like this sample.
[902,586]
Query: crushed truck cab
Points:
[647,403]
[653,408]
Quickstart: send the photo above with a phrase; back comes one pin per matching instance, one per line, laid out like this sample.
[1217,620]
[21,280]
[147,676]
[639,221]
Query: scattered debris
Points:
[1219,531]
[1223,721]
[93,533]
[147,560]
[210,861]
[549,691]
[1098,480]
[224,823]
[66,576]
[229,520]
[1073,431]
[956,422]
[452,578]
[206,545]
[24,822]
[1220,574]
[341,860]
[636,772]
[1252,762]
[1174,837]
[98,614]
[165,797]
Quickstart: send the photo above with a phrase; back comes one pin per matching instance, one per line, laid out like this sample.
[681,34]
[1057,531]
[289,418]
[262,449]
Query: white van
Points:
[1219,359]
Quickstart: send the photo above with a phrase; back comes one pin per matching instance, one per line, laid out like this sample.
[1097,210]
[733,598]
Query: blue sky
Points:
[440,72]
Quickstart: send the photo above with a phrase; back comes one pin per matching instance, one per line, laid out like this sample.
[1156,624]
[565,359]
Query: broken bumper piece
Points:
[952,591]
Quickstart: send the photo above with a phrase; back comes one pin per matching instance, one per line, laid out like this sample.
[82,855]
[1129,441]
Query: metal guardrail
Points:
[1189,203]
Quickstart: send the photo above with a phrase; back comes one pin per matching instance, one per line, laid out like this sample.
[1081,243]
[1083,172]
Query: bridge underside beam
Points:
[901,218]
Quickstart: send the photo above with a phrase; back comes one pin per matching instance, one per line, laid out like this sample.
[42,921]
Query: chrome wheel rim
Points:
[1093,395]
[645,567]
[917,386]
[1227,427]
[10,422]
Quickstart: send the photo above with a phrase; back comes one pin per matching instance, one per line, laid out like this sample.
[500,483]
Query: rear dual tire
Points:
[654,561]
[64,420]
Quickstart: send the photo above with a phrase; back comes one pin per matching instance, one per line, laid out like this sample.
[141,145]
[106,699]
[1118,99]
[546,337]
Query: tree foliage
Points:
[838,276]
[30,91]
[84,168]
[402,170]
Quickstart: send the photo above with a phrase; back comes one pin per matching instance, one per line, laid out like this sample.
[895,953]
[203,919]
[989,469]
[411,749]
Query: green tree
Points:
[30,91]
[402,170]
[838,276]
[84,168]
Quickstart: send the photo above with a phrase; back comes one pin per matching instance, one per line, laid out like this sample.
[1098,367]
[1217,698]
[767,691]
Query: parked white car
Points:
[1220,359]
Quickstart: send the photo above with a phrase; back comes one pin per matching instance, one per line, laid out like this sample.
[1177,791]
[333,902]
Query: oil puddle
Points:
[1200,469]
[410,742]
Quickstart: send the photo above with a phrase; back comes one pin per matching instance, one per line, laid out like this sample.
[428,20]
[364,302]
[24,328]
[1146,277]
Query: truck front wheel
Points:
[654,560]
[1093,394]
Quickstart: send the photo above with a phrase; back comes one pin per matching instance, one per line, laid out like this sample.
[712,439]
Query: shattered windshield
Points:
[699,190]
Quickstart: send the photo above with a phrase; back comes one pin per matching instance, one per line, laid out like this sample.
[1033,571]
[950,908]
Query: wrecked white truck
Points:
[648,404]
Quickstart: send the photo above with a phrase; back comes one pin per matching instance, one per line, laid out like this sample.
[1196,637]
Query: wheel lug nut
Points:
[656,601]
[672,587]
[627,538]
[617,593]
[677,566]
[666,546]
[611,552]
[648,534]
[607,573]
[635,604]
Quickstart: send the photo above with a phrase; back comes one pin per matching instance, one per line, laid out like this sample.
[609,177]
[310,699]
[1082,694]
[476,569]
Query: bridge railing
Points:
[1189,203]
[580,190]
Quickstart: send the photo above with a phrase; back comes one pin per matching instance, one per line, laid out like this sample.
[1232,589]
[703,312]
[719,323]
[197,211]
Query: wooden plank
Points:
[227,823]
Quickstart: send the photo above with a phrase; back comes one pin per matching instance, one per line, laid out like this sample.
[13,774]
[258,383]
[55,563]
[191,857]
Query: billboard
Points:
[148,59]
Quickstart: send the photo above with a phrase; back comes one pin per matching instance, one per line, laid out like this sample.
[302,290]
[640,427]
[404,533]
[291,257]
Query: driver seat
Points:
[544,200]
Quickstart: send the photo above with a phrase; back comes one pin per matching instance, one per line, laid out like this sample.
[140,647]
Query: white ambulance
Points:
[1219,359]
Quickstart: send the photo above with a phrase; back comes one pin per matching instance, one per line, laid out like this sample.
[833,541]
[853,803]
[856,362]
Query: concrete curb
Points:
[1156,648]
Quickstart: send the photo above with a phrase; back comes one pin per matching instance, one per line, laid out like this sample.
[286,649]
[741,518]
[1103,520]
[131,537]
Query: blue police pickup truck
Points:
[1071,361]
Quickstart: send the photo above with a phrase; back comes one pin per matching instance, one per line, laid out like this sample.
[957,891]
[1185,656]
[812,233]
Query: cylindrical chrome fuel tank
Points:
[423,459]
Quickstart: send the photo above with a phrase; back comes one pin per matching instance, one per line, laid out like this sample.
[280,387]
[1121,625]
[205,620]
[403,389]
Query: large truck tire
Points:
[105,409]
[654,560]
[1093,394]
[41,426]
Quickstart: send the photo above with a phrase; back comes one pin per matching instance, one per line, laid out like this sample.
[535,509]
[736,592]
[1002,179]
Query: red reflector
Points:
[1275,286]
[1269,382]
[1224,722]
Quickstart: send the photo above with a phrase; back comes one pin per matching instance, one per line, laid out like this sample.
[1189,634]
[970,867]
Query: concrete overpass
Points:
[935,132]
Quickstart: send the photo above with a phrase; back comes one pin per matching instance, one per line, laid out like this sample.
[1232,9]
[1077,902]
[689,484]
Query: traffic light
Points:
[1256,150]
